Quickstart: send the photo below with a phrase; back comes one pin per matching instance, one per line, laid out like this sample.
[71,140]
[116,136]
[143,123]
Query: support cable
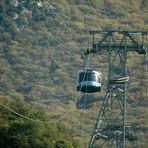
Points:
[87,64]
[24,117]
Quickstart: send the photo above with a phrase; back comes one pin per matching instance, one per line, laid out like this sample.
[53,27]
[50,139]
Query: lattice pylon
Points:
[110,126]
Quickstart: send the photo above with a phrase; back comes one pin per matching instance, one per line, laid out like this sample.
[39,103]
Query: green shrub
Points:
[63,144]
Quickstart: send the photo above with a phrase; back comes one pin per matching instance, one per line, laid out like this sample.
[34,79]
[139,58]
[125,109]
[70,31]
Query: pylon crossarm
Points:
[103,44]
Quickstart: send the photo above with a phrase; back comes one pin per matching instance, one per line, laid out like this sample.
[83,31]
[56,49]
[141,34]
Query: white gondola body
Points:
[88,81]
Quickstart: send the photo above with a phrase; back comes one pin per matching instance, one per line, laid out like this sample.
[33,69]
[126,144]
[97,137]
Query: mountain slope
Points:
[40,52]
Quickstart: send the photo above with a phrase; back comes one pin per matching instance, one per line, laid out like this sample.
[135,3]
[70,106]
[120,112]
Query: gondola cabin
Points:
[88,81]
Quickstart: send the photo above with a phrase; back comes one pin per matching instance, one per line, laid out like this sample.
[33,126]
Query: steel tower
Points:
[110,127]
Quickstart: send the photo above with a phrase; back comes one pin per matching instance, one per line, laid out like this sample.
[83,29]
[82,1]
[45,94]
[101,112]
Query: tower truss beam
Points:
[132,43]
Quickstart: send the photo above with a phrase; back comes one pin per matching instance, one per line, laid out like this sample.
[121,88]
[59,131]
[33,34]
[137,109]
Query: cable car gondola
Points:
[88,81]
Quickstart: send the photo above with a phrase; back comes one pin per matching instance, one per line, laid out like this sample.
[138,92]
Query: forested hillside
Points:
[40,52]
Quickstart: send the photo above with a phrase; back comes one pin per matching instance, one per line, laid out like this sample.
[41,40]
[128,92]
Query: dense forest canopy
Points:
[16,131]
